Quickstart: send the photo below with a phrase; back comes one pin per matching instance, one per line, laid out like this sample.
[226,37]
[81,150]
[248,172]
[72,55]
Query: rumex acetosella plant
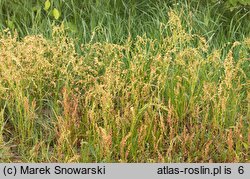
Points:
[147,100]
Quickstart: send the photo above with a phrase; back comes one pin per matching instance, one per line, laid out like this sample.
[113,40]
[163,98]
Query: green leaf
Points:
[10,24]
[36,8]
[233,2]
[245,145]
[71,26]
[56,13]
[47,5]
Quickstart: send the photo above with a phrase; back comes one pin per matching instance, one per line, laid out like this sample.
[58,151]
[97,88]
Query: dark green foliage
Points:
[115,20]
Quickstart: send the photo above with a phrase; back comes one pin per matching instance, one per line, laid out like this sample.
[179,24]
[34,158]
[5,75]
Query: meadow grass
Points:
[109,81]
[147,100]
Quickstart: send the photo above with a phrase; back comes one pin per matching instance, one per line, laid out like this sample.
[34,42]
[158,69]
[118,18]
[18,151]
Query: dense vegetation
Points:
[124,81]
[113,20]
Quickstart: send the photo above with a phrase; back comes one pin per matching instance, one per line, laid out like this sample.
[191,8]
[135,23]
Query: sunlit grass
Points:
[168,99]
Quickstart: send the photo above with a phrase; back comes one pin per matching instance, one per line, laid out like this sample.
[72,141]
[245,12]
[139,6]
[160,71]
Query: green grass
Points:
[113,20]
[116,81]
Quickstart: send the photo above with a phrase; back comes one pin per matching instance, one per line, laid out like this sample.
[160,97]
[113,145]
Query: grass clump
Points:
[172,99]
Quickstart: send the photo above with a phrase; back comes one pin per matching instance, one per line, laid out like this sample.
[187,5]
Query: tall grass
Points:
[170,98]
[113,20]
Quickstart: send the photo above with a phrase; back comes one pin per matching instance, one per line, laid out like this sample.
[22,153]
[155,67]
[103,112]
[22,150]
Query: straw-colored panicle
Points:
[229,70]
[106,141]
[230,141]
[123,149]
